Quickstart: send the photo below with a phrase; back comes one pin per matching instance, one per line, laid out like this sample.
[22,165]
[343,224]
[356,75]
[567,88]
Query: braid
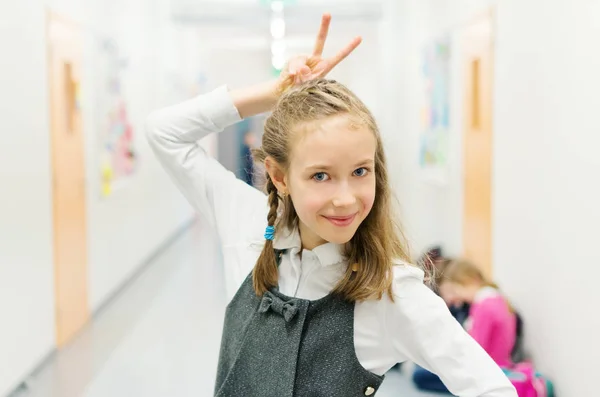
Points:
[273,202]
[265,272]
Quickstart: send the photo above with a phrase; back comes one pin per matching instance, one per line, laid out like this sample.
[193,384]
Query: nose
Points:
[344,196]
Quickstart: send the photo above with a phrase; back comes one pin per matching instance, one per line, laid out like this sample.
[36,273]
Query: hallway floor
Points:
[159,337]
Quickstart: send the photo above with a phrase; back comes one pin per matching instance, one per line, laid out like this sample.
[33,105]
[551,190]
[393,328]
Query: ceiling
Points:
[245,24]
[256,14]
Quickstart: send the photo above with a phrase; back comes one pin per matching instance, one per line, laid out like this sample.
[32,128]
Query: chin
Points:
[340,237]
[340,241]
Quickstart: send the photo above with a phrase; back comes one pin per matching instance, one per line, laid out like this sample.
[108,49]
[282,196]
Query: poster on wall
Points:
[435,120]
[117,157]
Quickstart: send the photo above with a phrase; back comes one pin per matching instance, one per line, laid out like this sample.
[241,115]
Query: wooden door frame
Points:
[485,23]
[62,337]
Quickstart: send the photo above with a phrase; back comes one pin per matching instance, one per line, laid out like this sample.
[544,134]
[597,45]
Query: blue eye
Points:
[361,171]
[320,177]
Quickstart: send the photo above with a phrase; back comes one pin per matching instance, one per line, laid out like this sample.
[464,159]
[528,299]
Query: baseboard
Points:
[22,387]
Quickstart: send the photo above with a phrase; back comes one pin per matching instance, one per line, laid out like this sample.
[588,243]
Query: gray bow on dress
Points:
[270,301]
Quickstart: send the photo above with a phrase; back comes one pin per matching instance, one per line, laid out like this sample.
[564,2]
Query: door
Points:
[477,57]
[68,173]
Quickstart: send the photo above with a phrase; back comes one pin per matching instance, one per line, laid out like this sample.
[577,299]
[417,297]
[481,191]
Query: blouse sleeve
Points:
[233,208]
[422,330]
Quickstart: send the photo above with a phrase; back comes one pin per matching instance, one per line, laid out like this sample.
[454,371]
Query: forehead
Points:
[333,141]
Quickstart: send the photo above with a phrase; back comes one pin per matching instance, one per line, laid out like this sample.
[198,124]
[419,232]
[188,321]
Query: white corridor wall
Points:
[546,189]
[124,229]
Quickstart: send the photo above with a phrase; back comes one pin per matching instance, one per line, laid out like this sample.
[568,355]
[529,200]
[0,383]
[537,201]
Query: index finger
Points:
[344,52]
[322,36]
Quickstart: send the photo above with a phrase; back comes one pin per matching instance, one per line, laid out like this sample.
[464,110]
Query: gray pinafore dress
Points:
[277,346]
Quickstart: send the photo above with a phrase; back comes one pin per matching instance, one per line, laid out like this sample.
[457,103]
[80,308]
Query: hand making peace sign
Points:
[303,68]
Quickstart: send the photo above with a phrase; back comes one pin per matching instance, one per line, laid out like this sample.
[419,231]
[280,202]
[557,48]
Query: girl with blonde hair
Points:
[325,299]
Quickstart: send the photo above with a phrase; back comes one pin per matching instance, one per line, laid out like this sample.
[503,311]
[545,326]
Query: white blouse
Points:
[417,326]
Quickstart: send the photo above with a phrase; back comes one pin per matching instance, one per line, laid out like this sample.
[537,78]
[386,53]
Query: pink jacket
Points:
[492,324]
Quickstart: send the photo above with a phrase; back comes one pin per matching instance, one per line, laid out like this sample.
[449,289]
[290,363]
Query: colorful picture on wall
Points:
[435,126]
[115,132]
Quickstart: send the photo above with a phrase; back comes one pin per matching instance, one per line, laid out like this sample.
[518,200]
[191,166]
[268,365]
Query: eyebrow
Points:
[325,167]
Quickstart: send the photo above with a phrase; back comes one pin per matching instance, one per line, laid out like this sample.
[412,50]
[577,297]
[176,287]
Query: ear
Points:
[277,174]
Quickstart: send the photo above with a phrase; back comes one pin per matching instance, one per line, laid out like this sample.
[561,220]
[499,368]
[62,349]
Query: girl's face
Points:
[331,179]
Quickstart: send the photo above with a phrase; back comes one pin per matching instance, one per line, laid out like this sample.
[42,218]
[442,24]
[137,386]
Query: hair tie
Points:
[270,232]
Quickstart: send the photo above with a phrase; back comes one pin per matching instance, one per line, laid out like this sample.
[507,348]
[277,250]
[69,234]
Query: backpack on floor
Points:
[528,382]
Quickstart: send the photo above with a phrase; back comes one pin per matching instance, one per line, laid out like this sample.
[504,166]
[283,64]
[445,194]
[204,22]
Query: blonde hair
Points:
[464,272]
[379,239]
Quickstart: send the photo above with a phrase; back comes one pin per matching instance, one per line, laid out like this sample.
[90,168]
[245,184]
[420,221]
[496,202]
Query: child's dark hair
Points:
[379,240]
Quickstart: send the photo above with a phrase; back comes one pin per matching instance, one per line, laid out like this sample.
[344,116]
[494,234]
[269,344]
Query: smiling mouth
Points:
[340,220]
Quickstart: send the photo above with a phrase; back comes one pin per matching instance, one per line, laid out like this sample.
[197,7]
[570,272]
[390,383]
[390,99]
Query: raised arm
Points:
[225,202]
